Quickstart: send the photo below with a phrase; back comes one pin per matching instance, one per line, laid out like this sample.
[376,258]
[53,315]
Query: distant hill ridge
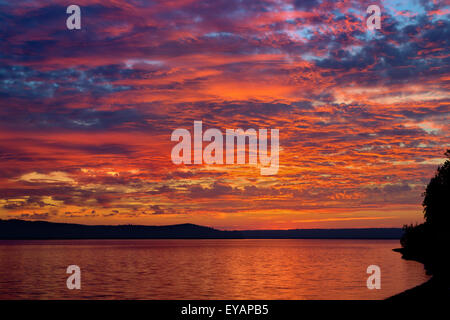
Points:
[21,229]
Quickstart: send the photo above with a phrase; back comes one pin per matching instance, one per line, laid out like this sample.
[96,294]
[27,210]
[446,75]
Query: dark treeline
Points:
[20,229]
[429,242]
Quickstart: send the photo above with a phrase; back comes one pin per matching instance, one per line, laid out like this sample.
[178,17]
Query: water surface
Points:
[204,269]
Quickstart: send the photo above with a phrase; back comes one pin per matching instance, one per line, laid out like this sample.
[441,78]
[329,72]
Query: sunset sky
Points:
[86,115]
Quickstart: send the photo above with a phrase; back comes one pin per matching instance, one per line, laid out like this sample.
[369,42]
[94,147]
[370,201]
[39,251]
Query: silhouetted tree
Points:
[429,242]
[436,202]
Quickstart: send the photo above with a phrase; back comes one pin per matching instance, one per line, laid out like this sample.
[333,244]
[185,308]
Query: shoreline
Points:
[434,289]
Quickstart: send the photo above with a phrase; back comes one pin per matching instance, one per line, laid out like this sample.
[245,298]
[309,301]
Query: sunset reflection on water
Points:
[204,269]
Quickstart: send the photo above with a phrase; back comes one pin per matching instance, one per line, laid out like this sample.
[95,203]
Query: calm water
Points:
[204,269]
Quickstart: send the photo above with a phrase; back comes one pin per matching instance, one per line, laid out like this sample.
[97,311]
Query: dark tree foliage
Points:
[436,202]
[429,242]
